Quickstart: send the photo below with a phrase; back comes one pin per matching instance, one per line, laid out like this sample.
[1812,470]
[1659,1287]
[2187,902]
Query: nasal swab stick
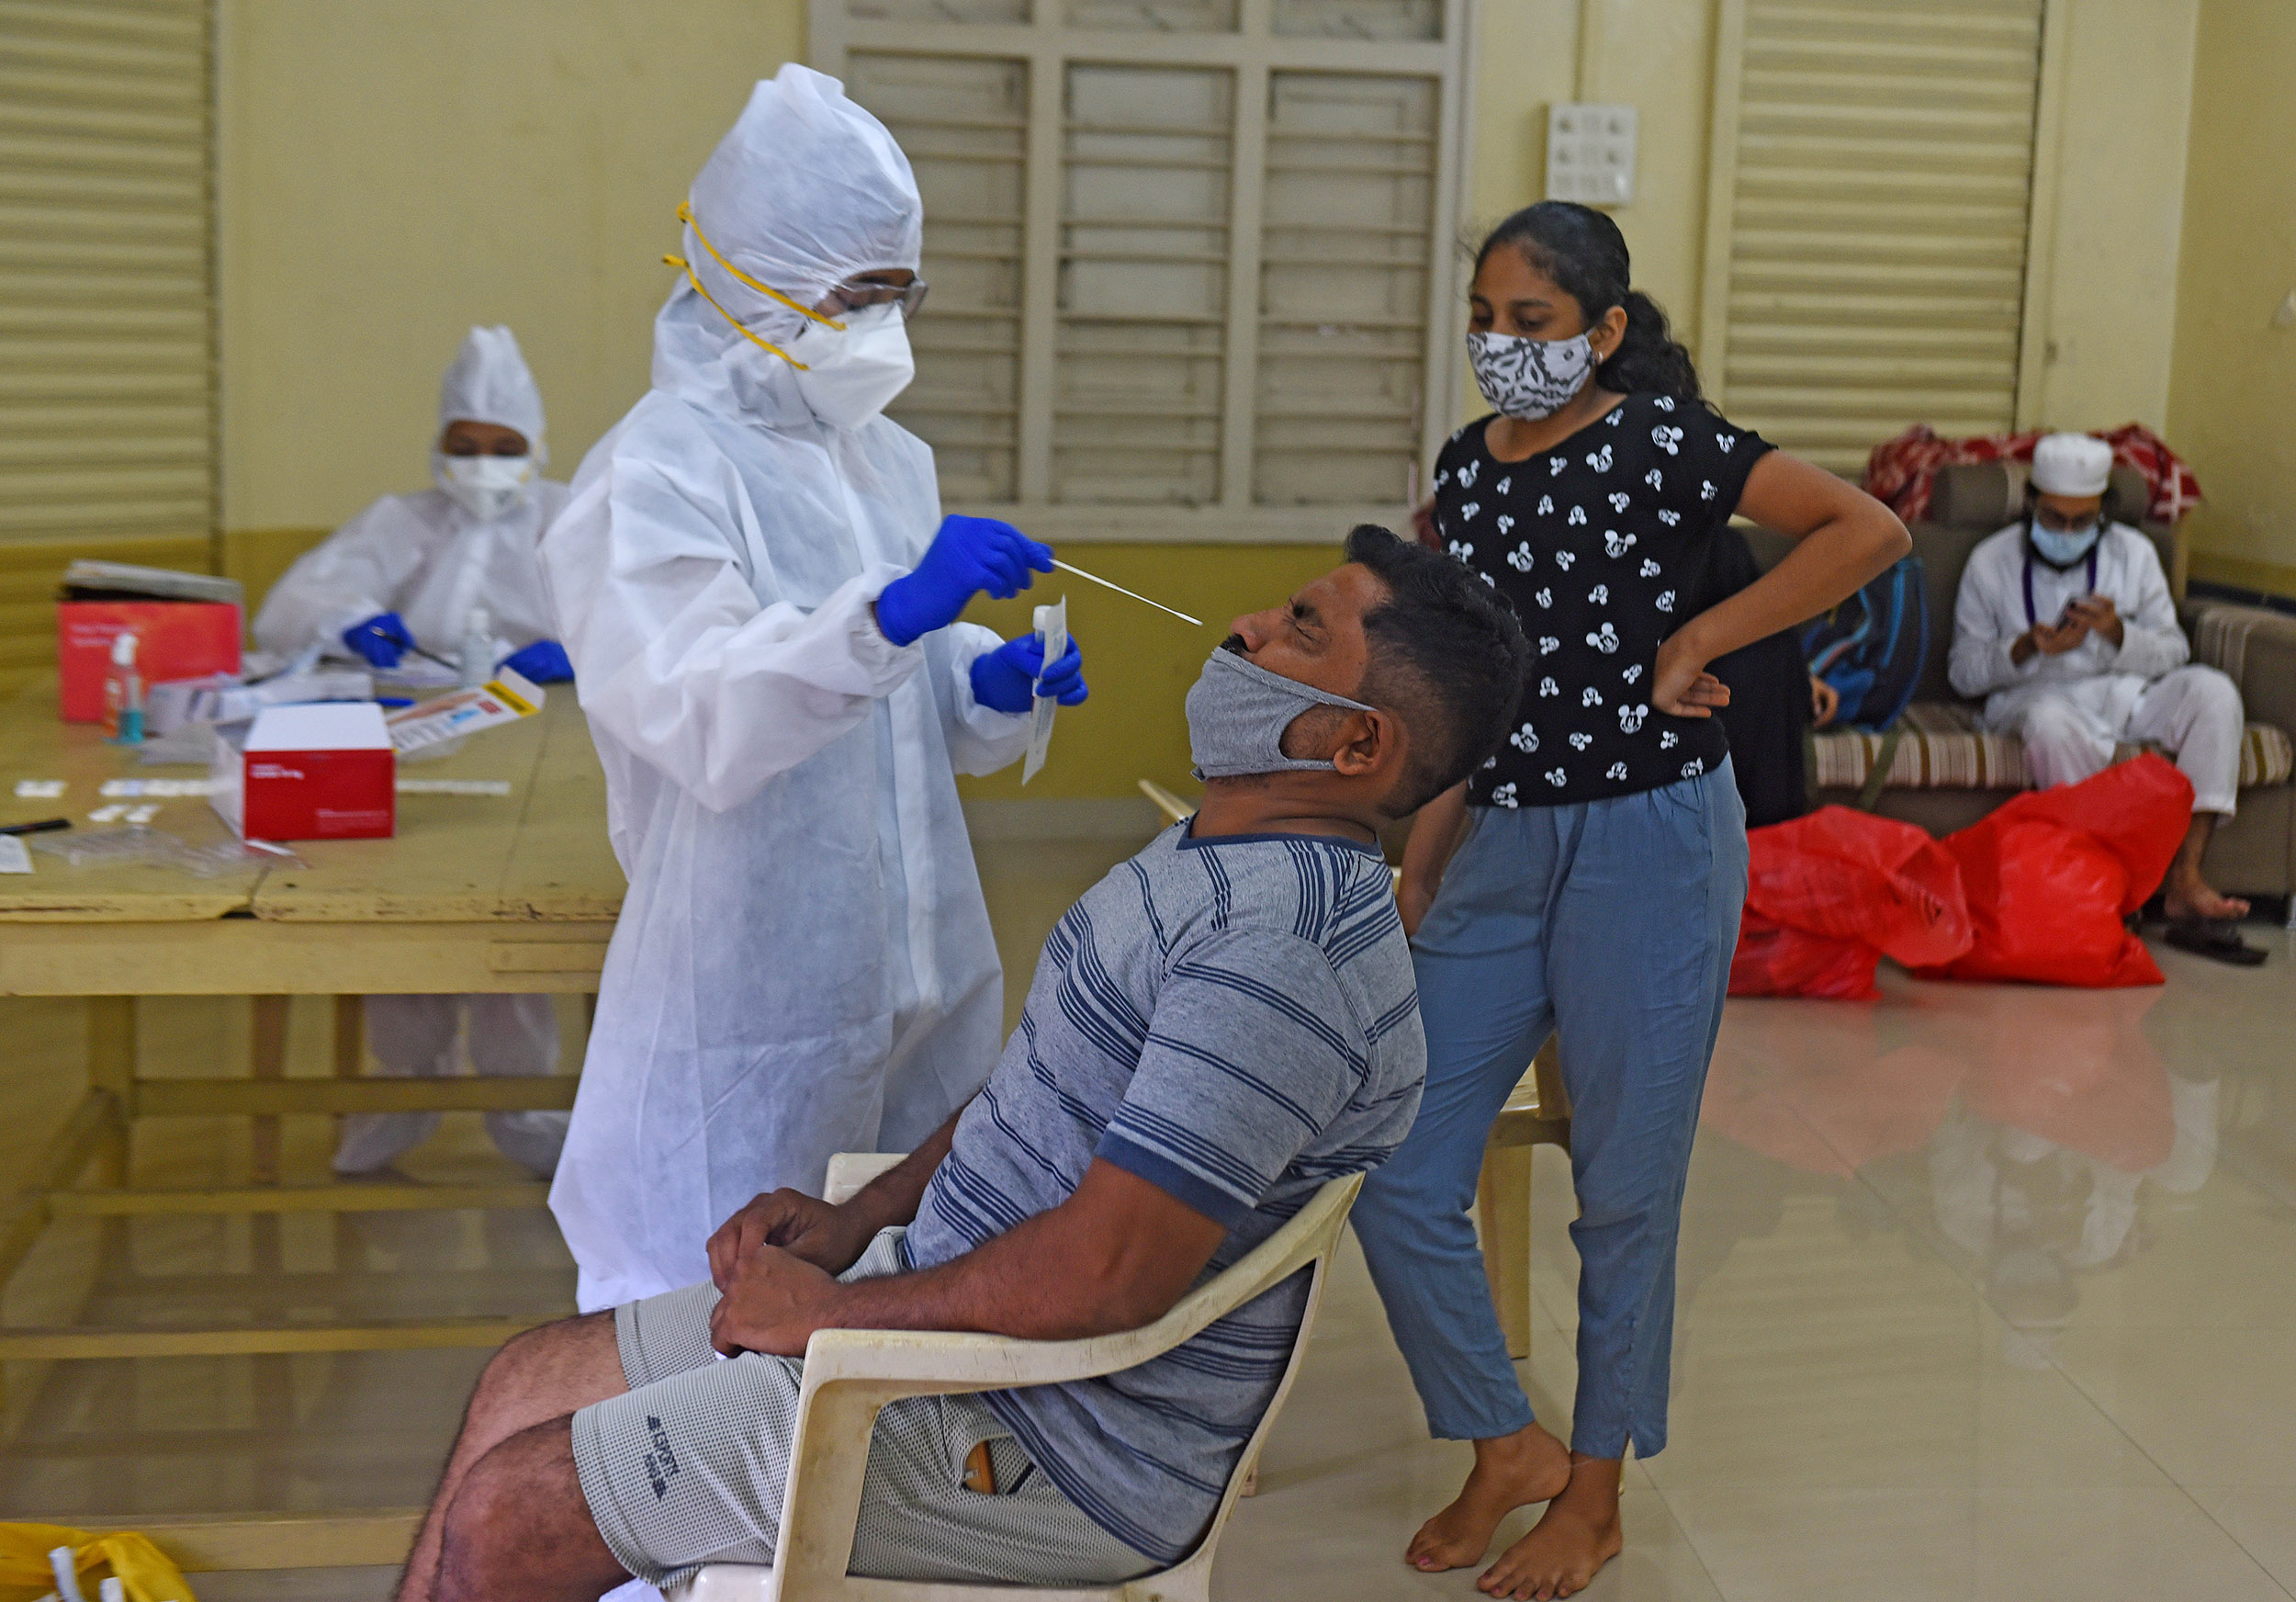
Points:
[1095,578]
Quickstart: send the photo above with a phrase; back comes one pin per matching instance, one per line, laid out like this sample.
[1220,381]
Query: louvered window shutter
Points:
[1867,271]
[106,410]
[1191,259]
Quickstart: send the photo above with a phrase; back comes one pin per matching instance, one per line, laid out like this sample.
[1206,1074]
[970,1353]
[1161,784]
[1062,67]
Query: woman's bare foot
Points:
[1511,1471]
[1576,1535]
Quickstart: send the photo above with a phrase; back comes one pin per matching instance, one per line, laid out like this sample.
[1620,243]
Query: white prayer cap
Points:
[2072,464]
[488,382]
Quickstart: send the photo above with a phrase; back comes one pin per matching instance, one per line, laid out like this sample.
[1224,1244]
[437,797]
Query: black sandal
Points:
[2215,937]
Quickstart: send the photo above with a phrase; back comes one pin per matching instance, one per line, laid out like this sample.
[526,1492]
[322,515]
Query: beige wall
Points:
[411,166]
[1656,55]
[2232,401]
[394,171]
[2111,236]
[404,168]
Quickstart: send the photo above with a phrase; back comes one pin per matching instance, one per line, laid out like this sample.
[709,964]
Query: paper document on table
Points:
[1052,623]
[14,858]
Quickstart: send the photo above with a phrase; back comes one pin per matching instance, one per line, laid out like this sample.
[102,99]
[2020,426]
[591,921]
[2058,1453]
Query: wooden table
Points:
[515,894]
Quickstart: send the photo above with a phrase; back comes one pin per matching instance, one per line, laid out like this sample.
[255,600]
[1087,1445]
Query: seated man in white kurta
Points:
[2065,625]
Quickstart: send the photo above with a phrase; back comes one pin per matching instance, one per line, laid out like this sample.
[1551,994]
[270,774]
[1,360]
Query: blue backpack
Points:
[1872,646]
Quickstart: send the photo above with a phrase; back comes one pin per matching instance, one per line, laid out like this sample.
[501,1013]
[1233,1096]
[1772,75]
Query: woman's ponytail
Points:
[1582,251]
[1648,358]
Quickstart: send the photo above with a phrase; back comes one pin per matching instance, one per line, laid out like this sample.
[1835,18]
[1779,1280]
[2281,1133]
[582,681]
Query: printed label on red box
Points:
[175,639]
[312,772]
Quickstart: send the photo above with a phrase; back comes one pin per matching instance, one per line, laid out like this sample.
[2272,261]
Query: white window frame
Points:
[1253,52]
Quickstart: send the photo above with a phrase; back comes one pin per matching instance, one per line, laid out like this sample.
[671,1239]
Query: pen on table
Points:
[435,657]
[45,826]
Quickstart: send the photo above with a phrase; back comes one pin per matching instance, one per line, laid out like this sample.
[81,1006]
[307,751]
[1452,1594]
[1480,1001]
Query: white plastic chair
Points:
[851,1373]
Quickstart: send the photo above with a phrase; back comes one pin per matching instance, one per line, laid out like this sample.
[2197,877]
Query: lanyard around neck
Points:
[2032,618]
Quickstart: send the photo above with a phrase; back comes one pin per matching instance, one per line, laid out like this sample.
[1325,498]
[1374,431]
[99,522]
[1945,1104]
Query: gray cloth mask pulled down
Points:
[1237,714]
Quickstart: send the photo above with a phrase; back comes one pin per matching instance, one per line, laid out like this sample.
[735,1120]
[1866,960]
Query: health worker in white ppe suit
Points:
[760,598]
[409,570]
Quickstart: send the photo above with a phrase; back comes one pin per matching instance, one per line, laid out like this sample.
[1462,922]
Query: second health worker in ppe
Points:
[411,569]
[760,596]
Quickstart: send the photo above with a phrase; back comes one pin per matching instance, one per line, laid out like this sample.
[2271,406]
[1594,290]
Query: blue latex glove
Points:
[1008,678]
[543,662]
[970,556]
[382,639]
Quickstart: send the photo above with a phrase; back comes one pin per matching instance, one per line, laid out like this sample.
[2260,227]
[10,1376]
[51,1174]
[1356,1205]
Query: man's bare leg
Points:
[1575,1537]
[520,1529]
[543,1374]
[2186,896]
[1510,1471]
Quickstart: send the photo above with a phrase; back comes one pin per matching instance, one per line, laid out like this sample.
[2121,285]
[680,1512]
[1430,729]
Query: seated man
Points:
[1221,1025]
[2065,626]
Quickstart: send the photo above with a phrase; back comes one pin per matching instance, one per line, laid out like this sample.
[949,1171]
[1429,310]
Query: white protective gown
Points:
[427,559]
[423,555]
[804,964]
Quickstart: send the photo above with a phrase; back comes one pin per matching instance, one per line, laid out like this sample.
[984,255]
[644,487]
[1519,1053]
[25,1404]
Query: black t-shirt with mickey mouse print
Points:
[1602,545]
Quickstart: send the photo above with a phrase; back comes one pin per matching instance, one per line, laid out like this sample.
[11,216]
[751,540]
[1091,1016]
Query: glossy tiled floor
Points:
[1984,1294]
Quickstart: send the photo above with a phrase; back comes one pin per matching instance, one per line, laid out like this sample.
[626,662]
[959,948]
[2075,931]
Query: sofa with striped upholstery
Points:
[1943,773]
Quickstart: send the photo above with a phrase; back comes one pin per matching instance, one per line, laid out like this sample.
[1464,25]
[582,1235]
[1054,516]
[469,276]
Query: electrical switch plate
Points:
[1590,154]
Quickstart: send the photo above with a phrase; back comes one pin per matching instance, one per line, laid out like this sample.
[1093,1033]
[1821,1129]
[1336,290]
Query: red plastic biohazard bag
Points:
[1828,895]
[2051,875]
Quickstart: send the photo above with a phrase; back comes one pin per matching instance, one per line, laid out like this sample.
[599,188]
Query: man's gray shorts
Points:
[688,1467]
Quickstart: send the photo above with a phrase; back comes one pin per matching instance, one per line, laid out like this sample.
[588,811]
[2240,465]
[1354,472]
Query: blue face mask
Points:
[2062,547]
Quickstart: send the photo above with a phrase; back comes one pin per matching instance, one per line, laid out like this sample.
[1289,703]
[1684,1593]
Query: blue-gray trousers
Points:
[1612,924]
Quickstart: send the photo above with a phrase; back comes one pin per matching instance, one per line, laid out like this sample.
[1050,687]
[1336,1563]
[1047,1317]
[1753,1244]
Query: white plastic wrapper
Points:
[505,698]
[1052,623]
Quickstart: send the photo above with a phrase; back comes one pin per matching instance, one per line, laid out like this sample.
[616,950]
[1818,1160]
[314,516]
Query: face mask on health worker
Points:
[486,486]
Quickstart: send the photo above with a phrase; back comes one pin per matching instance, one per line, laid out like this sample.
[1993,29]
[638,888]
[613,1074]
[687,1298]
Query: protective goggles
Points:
[856,293]
[850,295]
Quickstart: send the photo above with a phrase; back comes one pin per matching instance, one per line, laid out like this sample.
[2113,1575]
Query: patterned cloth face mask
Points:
[1237,714]
[1529,379]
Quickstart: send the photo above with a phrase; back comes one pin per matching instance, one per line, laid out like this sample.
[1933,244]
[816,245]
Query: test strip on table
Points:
[1095,578]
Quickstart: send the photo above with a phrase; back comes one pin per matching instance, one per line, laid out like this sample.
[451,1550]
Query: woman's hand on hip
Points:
[1680,684]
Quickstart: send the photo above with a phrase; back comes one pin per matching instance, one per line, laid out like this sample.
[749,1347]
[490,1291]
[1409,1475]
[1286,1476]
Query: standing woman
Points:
[1587,880]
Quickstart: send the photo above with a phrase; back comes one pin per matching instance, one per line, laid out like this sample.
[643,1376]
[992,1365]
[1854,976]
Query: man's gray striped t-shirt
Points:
[1234,1020]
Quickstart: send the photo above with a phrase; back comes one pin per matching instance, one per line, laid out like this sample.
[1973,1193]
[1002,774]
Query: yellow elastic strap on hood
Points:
[754,339]
[685,215]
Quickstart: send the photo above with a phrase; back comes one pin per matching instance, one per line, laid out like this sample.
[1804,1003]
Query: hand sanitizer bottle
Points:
[123,692]
[478,648]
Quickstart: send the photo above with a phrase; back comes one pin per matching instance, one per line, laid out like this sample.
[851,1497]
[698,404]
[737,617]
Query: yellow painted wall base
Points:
[2246,573]
[1139,662]
[29,573]
[258,557]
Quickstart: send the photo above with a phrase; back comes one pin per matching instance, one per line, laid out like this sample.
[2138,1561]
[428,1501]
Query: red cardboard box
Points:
[175,639]
[313,771]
